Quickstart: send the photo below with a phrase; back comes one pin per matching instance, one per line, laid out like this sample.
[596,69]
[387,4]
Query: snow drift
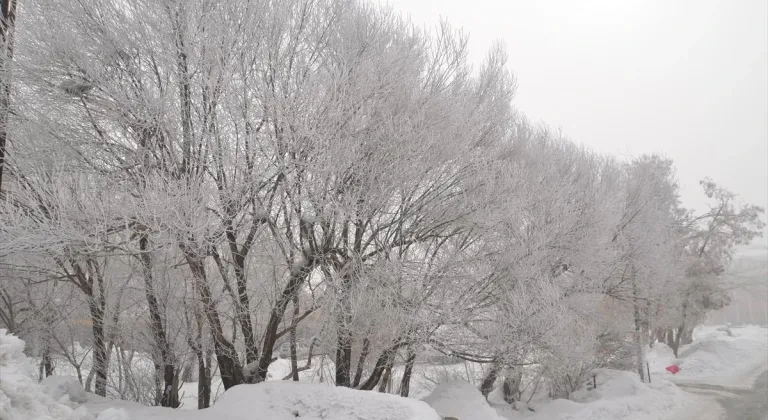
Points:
[461,400]
[715,357]
[619,395]
[23,399]
[63,398]
[284,400]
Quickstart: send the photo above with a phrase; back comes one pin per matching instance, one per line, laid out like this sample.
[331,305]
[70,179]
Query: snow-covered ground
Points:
[619,395]
[714,357]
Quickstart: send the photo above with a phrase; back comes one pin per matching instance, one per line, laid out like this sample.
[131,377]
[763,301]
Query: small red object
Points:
[673,369]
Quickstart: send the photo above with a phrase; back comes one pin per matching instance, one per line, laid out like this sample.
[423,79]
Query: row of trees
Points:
[204,181]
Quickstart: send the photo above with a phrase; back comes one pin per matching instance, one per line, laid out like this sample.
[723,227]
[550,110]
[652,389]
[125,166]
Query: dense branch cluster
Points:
[208,182]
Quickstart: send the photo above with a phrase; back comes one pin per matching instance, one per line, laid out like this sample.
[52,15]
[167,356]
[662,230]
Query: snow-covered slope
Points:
[619,396]
[286,400]
[461,400]
[62,398]
[21,398]
[716,358]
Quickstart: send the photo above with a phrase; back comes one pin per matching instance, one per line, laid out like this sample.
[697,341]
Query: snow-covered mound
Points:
[710,357]
[619,395]
[23,399]
[461,400]
[715,357]
[285,400]
[659,357]
[59,386]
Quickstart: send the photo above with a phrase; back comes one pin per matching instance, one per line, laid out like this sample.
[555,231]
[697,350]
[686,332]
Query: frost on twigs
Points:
[76,87]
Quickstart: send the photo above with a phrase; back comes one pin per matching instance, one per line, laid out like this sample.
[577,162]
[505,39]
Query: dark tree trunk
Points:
[89,380]
[87,277]
[638,336]
[294,356]
[97,306]
[670,337]
[386,378]
[204,360]
[679,333]
[676,343]
[278,311]
[511,386]
[226,355]
[99,348]
[204,383]
[169,396]
[243,304]
[46,363]
[381,364]
[405,382]
[344,335]
[490,379]
[361,362]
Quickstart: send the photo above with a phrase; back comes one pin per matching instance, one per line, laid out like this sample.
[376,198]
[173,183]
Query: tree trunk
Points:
[188,374]
[638,336]
[278,311]
[294,356]
[226,355]
[7,22]
[405,382]
[344,335]
[386,378]
[381,364]
[679,333]
[361,362]
[676,343]
[686,336]
[639,351]
[243,304]
[513,378]
[46,363]
[166,366]
[490,378]
[670,337]
[89,380]
[204,359]
[99,368]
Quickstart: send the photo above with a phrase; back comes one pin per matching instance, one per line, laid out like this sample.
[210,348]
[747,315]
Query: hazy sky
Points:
[684,78]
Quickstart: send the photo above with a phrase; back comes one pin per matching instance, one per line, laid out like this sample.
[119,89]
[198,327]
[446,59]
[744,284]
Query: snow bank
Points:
[461,400]
[23,399]
[715,358]
[278,400]
[59,386]
[619,395]
[285,400]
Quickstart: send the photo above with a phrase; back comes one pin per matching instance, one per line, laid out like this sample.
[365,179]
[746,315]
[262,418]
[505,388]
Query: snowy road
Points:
[738,404]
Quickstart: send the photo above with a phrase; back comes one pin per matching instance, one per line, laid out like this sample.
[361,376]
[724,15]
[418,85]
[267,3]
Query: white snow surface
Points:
[286,400]
[461,400]
[62,398]
[282,400]
[715,358]
[619,395]
[59,386]
[21,398]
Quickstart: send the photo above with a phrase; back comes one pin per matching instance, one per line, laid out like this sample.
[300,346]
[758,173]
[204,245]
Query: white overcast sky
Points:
[684,78]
